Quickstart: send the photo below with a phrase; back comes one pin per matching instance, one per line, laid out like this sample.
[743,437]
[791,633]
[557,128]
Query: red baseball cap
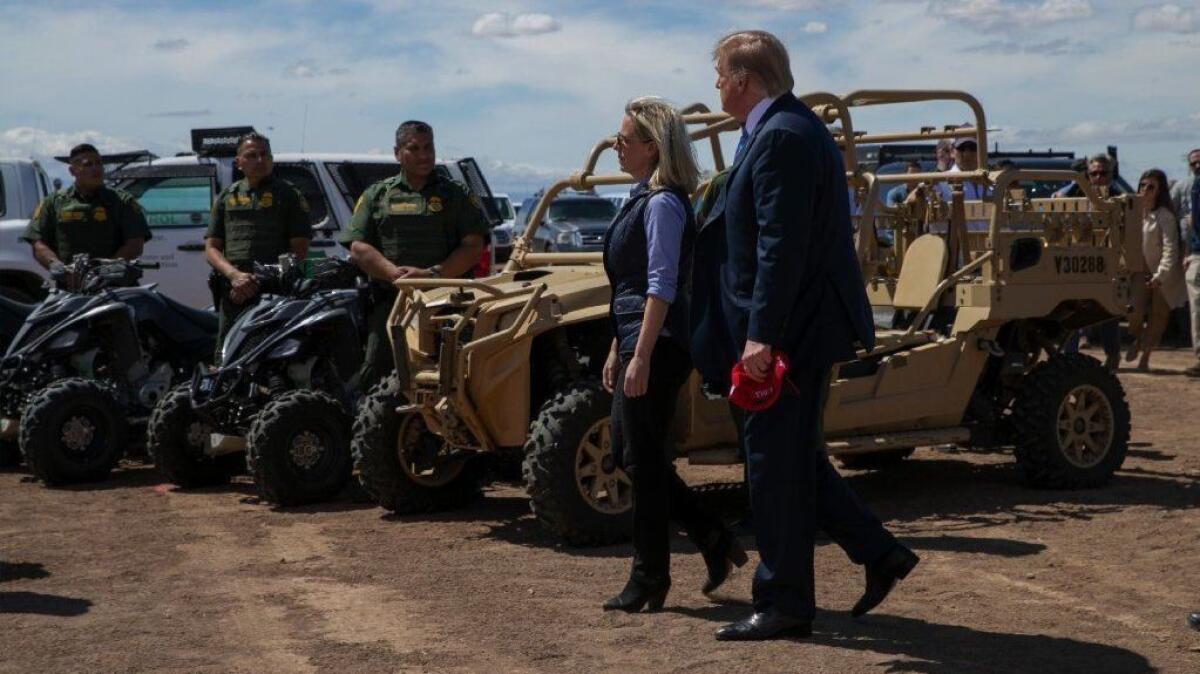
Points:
[756,396]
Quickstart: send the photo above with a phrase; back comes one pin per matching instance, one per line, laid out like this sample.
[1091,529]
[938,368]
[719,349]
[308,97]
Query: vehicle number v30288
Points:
[1079,264]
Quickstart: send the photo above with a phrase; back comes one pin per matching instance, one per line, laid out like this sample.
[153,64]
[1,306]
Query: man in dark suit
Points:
[775,272]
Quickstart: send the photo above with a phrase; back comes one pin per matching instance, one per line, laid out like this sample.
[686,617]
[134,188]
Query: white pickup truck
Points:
[23,185]
[177,192]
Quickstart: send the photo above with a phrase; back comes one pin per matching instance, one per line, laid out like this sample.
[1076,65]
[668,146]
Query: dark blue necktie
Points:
[741,144]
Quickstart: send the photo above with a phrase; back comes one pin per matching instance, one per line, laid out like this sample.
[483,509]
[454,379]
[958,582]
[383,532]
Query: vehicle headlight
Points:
[571,237]
[66,341]
[288,348]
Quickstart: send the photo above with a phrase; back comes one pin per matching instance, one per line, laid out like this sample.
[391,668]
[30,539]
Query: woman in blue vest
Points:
[647,256]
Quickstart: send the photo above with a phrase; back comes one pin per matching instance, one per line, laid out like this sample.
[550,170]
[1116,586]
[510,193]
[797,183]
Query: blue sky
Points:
[528,87]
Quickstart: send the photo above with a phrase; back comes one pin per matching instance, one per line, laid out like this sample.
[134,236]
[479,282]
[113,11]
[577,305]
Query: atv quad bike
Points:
[90,363]
[986,292]
[280,401]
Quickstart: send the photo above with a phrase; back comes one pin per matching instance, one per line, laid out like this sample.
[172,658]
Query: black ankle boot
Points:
[720,556]
[637,595]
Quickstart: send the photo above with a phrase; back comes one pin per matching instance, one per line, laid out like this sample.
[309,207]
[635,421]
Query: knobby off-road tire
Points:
[575,488]
[74,430]
[298,448]
[888,458]
[1071,422]
[388,476]
[176,438]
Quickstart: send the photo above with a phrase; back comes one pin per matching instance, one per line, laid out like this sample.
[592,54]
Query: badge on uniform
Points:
[71,216]
[265,200]
[435,204]
[99,214]
[406,205]
[243,199]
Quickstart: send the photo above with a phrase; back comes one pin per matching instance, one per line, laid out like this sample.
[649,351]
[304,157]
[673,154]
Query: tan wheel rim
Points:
[604,486]
[409,451]
[1085,426]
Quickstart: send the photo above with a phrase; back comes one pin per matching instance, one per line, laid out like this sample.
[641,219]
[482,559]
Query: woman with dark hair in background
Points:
[1164,288]
[647,256]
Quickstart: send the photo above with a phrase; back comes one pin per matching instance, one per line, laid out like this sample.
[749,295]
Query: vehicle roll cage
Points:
[834,110]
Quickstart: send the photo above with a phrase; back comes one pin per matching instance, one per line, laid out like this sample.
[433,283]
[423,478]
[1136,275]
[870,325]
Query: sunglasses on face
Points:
[87,163]
[1097,174]
[1195,164]
[623,140]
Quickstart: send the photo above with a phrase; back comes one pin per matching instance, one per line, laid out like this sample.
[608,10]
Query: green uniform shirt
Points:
[70,223]
[257,224]
[415,228]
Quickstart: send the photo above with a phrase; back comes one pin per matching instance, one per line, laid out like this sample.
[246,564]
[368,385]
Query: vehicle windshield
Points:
[504,208]
[173,202]
[582,209]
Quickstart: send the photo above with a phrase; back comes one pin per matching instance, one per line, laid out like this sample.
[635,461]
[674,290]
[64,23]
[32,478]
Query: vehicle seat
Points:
[923,270]
[202,319]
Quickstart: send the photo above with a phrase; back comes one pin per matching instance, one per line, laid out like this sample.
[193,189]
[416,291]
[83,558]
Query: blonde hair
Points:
[658,121]
[759,54]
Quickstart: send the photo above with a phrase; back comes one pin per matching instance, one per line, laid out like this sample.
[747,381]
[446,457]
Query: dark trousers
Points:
[227,313]
[377,358]
[640,427]
[793,492]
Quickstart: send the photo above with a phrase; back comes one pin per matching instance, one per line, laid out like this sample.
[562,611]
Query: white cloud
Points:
[501,24]
[180,113]
[1168,18]
[171,44]
[1168,129]
[996,14]
[786,5]
[26,141]
[308,69]
[814,27]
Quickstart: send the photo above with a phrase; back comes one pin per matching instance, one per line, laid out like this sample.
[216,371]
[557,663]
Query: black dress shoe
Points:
[1194,620]
[765,625]
[635,596]
[724,553]
[882,576]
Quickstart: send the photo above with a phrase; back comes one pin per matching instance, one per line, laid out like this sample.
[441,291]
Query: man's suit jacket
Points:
[775,259]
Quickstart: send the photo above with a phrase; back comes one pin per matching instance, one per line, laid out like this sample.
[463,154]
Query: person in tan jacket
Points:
[1164,288]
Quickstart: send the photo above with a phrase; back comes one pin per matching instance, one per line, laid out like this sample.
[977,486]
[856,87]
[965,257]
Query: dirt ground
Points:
[134,576]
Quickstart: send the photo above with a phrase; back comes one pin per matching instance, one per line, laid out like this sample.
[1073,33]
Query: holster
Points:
[219,286]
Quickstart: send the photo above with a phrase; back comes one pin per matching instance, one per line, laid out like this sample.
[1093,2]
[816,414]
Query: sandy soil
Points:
[134,575]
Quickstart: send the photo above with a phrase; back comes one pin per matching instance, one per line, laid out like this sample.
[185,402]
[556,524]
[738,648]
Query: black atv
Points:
[90,363]
[283,394]
[12,316]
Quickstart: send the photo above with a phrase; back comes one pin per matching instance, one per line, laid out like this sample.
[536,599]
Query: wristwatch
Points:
[436,270]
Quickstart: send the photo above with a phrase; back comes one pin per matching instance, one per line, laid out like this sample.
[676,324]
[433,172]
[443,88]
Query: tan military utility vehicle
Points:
[979,296]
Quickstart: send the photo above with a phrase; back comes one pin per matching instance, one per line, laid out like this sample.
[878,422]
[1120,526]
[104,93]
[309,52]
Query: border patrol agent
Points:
[88,217]
[417,224]
[255,219]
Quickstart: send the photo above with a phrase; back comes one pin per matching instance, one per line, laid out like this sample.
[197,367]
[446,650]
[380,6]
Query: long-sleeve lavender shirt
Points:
[665,220]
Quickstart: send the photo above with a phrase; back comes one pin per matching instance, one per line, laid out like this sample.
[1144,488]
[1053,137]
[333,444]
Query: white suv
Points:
[177,193]
[23,185]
